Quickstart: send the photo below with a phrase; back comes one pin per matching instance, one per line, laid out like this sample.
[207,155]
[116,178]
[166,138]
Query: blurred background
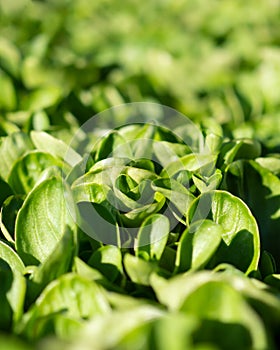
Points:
[62,61]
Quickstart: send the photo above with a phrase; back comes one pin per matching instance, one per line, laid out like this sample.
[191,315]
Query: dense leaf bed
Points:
[106,244]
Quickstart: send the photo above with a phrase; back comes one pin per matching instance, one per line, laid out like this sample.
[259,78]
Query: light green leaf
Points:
[241,242]
[42,220]
[204,294]
[9,342]
[167,152]
[138,269]
[11,148]
[74,296]
[217,300]
[120,323]
[11,257]
[57,264]
[178,194]
[107,260]
[43,98]
[211,183]
[47,143]
[84,270]
[9,57]
[191,162]
[271,163]
[16,291]
[112,145]
[136,216]
[28,169]
[8,98]
[197,245]
[152,237]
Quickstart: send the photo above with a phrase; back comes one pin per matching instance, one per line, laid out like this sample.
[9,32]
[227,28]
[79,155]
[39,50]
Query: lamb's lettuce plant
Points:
[149,237]
[139,237]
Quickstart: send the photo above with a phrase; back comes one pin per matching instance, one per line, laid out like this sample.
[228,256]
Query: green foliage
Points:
[167,244]
[139,240]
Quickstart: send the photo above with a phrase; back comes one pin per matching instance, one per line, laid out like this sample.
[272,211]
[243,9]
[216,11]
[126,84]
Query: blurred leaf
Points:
[11,148]
[70,295]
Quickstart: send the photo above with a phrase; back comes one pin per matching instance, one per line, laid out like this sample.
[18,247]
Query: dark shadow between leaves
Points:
[239,253]
[245,181]
[6,312]
[227,336]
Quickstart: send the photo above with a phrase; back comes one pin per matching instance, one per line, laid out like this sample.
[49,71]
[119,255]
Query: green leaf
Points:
[221,297]
[72,295]
[191,162]
[211,183]
[240,149]
[197,245]
[9,342]
[112,145]
[40,121]
[43,98]
[173,331]
[175,192]
[167,152]
[9,57]
[217,300]
[58,263]
[95,184]
[135,217]
[138,269]
[84,270]
[47,143]
[152,237]
[11,257]
[15,292]
[240,239]
[7,128]
[121,323]
[8,216]
[107,260]
[11,148]
[28,169]
[260,189]
[270,163]
[42,220]
[8,98]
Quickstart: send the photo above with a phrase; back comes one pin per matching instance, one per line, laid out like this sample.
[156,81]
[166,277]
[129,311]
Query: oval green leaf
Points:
[28,169]
[42,220]
[240,240]
[197,245]
[152,237]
